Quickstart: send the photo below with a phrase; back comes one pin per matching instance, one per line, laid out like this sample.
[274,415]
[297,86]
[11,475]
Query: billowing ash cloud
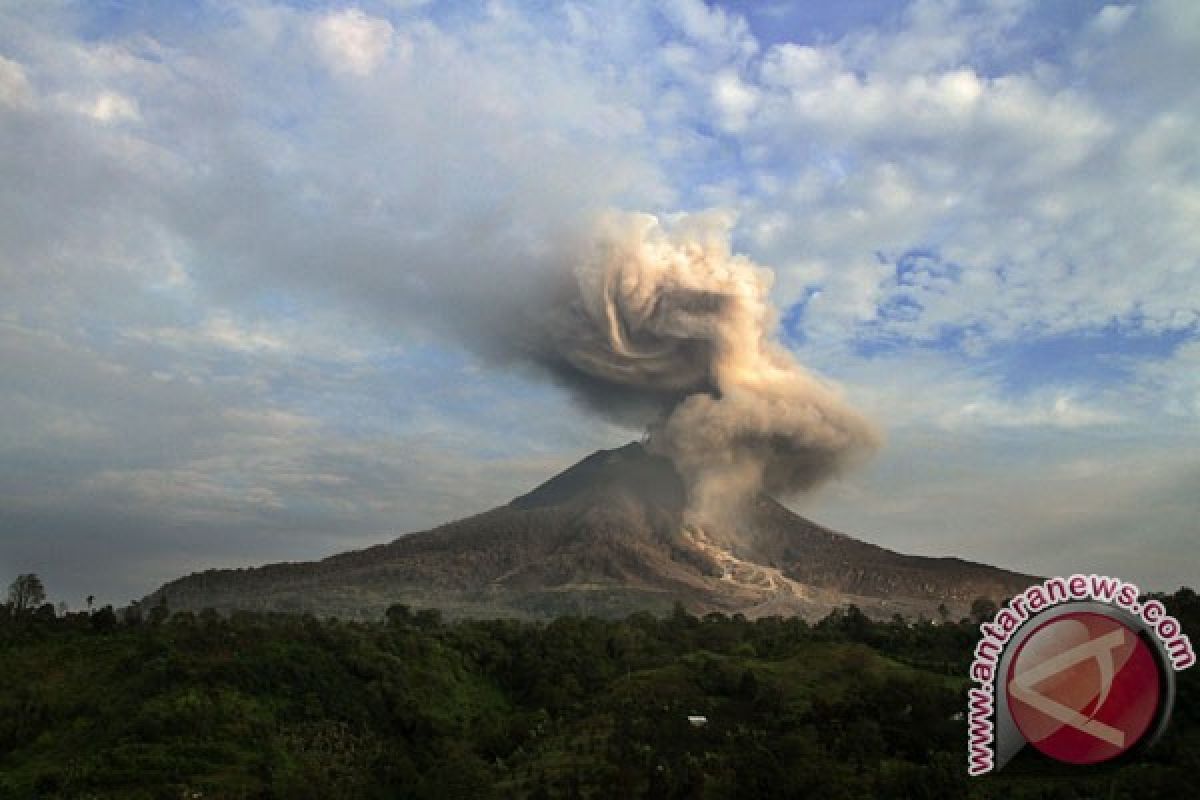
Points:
[664,320]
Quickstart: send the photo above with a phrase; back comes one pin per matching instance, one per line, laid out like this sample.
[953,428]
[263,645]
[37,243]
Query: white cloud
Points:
[711,26]
[1174,382]
[1061,198]
[109,107]
[350,41]
[1056,411]
[14,86]
[220,330]
[733,100]
[1111,19]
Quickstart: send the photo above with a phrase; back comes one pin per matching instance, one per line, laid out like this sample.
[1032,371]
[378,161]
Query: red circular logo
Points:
[1083,688]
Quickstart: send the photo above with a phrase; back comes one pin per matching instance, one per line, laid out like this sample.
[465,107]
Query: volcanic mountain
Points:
[607,536]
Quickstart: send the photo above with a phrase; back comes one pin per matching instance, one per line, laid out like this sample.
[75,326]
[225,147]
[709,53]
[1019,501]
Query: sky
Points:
[251,253]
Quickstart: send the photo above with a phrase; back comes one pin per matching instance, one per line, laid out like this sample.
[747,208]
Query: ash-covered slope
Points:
[606,536]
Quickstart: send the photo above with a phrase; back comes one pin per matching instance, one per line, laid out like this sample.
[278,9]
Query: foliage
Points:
[26,593]
[256,705]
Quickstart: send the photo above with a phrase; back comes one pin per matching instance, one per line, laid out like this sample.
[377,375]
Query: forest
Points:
[153,704]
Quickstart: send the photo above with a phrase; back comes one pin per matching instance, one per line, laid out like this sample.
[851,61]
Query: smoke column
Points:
[663,312]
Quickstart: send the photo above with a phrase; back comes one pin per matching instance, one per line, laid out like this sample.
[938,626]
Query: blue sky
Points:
[263,265]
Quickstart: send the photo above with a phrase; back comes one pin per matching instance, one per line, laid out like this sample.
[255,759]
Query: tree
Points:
[982,609]
[26,593]
[159,613]
[428,619]
[398,615]
[132,613]
[105,619]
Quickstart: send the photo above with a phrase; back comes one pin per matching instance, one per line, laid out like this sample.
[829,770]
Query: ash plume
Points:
[662,317]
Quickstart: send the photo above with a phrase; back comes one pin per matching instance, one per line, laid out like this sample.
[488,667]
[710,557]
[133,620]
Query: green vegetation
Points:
[154,705]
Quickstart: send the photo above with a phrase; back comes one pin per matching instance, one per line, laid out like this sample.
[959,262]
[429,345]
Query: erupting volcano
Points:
[657,324]
[609,536]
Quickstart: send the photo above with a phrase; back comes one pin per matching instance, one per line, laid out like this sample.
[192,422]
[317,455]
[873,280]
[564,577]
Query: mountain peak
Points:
[630,470]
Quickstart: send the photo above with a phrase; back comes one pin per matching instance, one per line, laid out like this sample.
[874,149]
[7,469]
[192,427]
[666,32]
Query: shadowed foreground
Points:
[258,706]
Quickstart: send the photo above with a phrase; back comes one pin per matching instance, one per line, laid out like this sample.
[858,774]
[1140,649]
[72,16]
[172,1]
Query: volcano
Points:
[608,536]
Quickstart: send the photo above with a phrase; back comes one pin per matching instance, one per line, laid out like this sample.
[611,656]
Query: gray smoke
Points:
[663,320]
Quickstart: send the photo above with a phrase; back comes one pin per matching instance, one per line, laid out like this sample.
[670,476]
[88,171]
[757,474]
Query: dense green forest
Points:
[157,705]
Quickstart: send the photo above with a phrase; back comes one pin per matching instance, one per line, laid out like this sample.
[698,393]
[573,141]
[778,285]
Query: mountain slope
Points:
[606,536]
